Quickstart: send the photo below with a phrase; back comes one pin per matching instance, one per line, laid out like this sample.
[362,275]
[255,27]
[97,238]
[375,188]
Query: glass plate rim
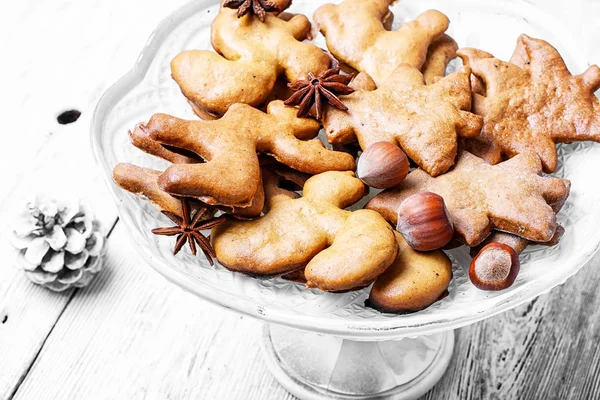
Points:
[360,329]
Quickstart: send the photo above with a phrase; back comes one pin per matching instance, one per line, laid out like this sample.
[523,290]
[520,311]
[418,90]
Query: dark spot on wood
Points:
[68,117]
[4,319]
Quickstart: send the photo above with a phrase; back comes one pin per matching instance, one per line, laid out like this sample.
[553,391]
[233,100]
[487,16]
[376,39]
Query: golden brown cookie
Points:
[517,243]
[424,120]
[140,138]
[414,281]
[231,174]
[341,249]
[142,182]
[532,102]
[356,35]
[439,54]
[510,197]
[249,57]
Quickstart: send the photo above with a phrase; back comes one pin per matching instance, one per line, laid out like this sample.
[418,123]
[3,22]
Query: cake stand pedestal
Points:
[313,366]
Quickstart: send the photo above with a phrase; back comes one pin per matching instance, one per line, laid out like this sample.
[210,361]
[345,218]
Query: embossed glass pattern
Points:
[493,26]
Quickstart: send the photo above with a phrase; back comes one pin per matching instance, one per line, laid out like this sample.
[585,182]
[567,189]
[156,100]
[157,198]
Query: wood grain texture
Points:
[133,335]
[30,312]
[546,349]
[75,59]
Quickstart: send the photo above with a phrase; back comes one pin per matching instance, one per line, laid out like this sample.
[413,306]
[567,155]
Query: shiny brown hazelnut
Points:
[495,267]
[382,165]
[424,223]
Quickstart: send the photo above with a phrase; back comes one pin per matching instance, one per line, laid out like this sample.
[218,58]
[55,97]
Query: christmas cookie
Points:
[356,34]
[249,57]
[510,197]
[231,174]
[413,282]
[424,120]
[532,102]
[341,250]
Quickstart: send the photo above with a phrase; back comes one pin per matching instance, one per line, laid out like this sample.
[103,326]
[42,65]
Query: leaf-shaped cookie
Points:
[532,102]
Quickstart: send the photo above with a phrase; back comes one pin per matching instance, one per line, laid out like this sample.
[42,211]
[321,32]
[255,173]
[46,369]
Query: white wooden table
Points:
[131,335]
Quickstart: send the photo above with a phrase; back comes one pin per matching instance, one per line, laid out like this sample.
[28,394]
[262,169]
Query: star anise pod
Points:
[189,230]
[319,89]
[256,7]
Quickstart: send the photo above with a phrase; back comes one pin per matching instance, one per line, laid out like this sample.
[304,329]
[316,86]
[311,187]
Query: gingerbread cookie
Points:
[424,120]
[532,102]
[413,282]
[231,174]
[356,35]
[510,197]
[143,183]
[341,249]
[439,54]
[249,57]
[140,138]
[517,243]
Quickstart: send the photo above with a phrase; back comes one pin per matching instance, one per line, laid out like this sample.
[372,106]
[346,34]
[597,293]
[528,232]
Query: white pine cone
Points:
[60,244]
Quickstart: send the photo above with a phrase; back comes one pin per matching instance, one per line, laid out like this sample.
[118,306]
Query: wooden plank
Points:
[31,311]
[133,335]
[546,349]
[45,157]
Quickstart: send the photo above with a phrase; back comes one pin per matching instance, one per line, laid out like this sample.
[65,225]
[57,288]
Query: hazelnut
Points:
[382,165]
[424,223]
[495,267]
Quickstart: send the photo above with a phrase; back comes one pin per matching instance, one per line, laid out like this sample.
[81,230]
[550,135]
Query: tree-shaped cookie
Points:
[341,250]
[249,57]
[356,35]
[533,102]
[424,120]
[510,197]
[231,174]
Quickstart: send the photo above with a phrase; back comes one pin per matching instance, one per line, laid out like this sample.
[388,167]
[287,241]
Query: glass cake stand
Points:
[323,345]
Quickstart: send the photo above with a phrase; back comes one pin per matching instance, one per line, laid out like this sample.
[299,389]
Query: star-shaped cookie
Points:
[424,120]
[532,102]
[510,197]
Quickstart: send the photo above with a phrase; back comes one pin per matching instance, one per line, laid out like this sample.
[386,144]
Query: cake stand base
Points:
[312,366]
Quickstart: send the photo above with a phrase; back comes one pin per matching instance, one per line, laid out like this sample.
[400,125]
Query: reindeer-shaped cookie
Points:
[249,57]
[356,34]
[341,249]
[231,174]
[424,120]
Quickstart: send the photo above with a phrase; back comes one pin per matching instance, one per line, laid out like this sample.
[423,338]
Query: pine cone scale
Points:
[59,245]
